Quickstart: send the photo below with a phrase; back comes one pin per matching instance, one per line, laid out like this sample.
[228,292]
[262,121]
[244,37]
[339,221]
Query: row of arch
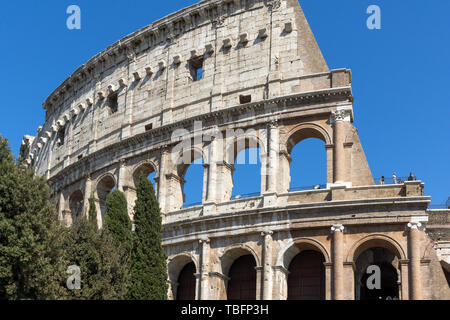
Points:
[250,146]
[305,263]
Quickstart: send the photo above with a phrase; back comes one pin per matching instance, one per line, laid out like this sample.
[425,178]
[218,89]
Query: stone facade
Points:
[263,73]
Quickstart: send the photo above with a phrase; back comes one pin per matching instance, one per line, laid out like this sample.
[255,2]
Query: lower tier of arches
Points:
[341,264]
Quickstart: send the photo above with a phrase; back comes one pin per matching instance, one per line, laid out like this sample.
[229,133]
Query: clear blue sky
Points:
[400,73]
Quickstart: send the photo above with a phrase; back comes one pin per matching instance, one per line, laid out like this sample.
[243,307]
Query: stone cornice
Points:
[287,222]
[301,98]
[309,207]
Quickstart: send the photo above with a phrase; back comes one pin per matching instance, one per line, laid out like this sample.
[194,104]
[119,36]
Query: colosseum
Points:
[253,68]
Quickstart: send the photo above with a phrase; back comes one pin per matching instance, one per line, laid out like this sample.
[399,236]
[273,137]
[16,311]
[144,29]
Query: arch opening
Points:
[104,187]
[242,279]
[192,175]
[308,168]
[377,275]
[76,202]
[187,283]
[247,174]
[304,132]
[306,280]
[146,170]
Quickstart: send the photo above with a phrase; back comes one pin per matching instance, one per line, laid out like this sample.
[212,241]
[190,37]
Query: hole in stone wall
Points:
[196,68]
[243,99]
[113,104]
[149,127]
[61,136]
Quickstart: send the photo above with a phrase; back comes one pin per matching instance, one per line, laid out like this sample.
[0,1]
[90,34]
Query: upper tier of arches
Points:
[150,79]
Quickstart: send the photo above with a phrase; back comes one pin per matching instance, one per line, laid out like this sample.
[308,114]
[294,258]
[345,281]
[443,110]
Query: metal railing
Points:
[390,180]
[235,197]
[246,196]
[308,188]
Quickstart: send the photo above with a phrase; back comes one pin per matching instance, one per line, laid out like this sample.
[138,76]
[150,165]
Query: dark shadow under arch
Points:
[187,283]
[76,202]
[242,283]
[388,264]
[306,280]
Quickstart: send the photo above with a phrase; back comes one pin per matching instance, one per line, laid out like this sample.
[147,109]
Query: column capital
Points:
[273,124]
[266,233]
[204,240]
[415,225]
[341,115]
[337,228]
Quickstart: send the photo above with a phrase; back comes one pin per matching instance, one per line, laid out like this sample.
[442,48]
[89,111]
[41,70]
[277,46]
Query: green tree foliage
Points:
[31,252]
[36,250]
[117,221]
[103,266]
[148,261]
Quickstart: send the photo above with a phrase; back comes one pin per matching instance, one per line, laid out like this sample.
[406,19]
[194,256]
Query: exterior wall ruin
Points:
[263,74]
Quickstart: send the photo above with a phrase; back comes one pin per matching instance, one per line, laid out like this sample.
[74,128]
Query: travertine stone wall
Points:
[264,76]
[252,48]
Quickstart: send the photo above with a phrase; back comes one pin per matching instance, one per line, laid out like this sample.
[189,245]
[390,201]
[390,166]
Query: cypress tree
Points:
[148,261]
[32,262]
[117,221]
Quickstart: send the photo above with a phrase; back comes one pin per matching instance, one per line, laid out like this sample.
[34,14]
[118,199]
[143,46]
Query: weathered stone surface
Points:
[264,74]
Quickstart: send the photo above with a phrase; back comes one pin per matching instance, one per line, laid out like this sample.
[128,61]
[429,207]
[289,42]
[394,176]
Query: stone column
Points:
[198,286]
[284,168]
[87,194]
[273,151]
[330,161]
[122,178]
[212,172]
[204,269]
[62,206]
[339,118]
[224,181]
[270,170]
[414,247]
[328,280]
[338,261]
[162,185]
[404,265]
[259,282]
[266,264]
[280,277]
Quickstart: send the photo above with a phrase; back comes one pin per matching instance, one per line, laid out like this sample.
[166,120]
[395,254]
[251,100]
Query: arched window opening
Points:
[186,283]
[146,170]
[309,165]
[242,283]
[381,282]
[104,187]
[76,206]
[247,174]
[306,280]
[192,176]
